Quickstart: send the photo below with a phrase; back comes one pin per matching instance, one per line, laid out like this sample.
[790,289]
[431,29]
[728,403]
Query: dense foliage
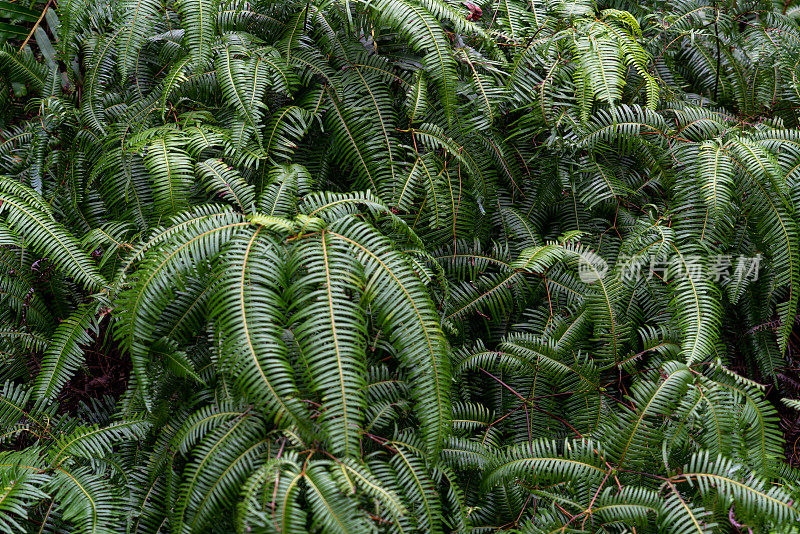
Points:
[351,266]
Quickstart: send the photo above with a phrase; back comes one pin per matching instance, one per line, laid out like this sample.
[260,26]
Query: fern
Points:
[398,266]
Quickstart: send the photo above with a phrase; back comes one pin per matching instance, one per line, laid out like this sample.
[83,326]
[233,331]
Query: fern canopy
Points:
[389,266]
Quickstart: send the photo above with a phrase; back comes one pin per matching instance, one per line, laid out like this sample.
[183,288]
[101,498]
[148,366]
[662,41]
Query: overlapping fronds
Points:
[399,266]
